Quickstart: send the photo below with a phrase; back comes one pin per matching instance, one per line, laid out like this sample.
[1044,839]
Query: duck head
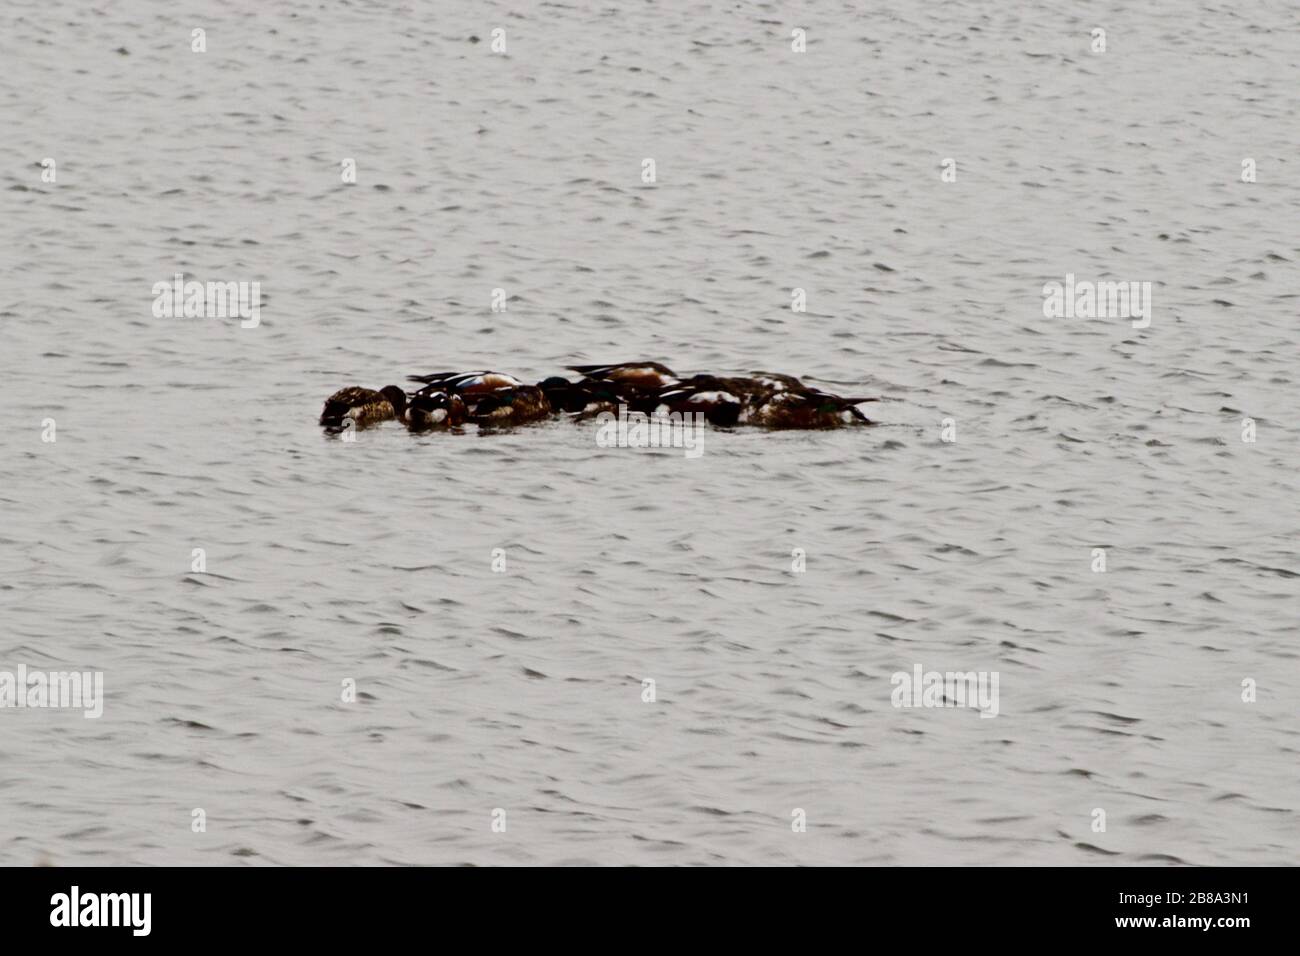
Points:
[397,398]
[562,394]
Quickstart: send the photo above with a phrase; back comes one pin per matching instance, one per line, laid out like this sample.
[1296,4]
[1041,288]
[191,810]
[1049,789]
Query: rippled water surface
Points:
[371,561]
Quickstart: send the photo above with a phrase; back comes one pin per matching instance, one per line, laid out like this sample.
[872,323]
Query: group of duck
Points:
[451,399]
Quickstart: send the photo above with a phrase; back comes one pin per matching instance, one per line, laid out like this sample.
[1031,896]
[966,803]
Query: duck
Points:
[637,375]
[634,384]
[562,394]
[511,406]
[711,398]
[583,398]
[776,400]
[468,383]
[803,408]
[495,398]
[434,407]
[362,406]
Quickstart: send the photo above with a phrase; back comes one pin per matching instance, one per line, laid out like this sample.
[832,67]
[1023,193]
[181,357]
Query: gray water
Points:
[521,690]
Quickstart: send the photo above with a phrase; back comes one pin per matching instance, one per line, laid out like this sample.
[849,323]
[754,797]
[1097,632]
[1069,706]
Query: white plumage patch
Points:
[492,380]
[713,397]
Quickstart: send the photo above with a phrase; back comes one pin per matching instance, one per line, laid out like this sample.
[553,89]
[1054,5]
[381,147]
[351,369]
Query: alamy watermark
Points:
[683,430]
[920,688]
[1085,299]
[75,908]
[212,300]
[83,690]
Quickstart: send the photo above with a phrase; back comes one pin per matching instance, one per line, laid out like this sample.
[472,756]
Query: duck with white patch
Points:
[434,407]
[495,398]
[718,405]
[639,375]
[468,383]
[804,408]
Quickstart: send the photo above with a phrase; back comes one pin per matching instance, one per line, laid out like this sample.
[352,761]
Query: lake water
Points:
[516,695]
